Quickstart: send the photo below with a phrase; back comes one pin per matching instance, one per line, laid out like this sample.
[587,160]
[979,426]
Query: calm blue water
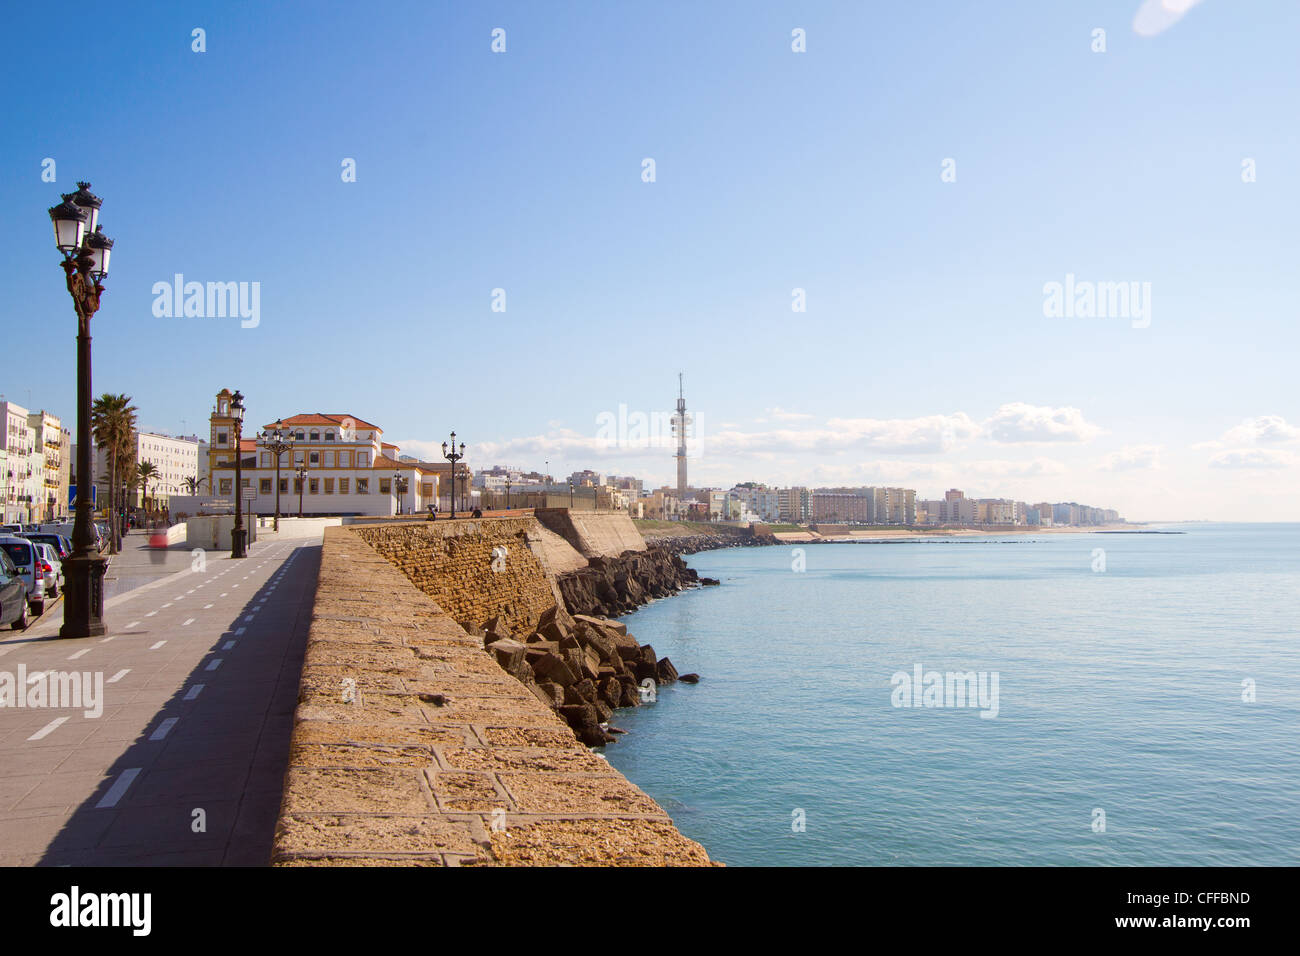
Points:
[1119,690]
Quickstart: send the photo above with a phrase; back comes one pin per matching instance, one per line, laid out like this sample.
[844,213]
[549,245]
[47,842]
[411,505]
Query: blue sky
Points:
[924,357]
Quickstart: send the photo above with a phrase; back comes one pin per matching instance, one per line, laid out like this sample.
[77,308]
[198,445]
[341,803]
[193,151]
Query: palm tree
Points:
[192,484]
[112,420]
[146,472]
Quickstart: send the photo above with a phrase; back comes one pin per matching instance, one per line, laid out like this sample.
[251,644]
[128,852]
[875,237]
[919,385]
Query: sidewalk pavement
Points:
[185,764]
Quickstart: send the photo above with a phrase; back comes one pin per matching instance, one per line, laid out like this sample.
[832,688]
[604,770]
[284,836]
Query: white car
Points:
[52,567]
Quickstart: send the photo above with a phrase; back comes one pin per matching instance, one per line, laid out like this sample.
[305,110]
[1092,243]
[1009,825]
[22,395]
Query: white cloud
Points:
[781,415]
[1132,458]
[996,468]
[1253,458]
[1157,16]
[1269,429]
[1018,423]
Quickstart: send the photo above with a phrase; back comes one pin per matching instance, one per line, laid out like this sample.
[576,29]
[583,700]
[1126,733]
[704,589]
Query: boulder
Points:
[580,692]
[584,719]
[709,582]
[603,710]
[631,693]
[689,678]
[508,652]
[550,693]
[553,667]
[666,672]
[611,691]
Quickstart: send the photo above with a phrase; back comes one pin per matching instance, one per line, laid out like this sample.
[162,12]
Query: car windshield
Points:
[19,554]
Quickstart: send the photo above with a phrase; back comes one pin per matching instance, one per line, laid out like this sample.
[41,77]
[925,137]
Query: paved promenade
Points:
[185,764]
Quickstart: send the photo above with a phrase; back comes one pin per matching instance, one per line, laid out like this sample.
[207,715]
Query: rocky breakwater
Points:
[581,666]
[723,537]
[613,586]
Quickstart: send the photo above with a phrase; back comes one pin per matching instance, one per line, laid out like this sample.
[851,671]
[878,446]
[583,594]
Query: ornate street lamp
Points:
[399,488]
[453,457]
[277,441]
[238,548]
[86,252]
[302,484]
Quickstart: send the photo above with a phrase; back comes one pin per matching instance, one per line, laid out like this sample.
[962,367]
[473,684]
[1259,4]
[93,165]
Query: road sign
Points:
[72,496]
[250,494]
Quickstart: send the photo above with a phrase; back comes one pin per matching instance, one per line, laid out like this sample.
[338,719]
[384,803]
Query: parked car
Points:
[13,595]
[10,528]
[24,555]
[61,545]
[51,566]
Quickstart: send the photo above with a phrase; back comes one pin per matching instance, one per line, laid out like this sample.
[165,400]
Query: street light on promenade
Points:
[238,547]
[453,457]
[507,492]
[86,249]
[277,442]
[399,487]
[570,494]
[302,484]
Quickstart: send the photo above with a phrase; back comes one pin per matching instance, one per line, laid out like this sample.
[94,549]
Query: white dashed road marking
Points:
[165,726]
[48,728]
[119,787]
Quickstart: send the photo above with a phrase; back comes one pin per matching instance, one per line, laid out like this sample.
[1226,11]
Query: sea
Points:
[1114,699]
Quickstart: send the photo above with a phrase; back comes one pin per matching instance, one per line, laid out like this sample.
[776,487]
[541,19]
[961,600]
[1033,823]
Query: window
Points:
[329,459]
[343,486]
[313,485]
[246,483]
[385,486]
[345,459]
[227,485]
[221,438]
[298,459]
[363,486]
[266,459]
[363,459]
[300,435]
[315,435]
[329,486]
[315,458]
[329,436]
[264,486]
[284,485]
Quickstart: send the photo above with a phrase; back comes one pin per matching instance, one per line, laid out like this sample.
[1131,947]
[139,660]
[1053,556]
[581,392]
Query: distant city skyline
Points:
[1075,287]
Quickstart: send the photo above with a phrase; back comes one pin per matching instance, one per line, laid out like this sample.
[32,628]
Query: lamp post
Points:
[238,547]
[570,494]
[399,488]
[507,493]
[277,442]
[302,484]
[453,457]
[86,250]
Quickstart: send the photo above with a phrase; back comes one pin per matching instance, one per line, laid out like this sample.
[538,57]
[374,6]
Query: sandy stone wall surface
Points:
[412,746]
[460,565]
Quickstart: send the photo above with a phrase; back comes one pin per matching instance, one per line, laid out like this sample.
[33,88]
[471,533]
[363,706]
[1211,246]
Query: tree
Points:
[146,472]
[112,422]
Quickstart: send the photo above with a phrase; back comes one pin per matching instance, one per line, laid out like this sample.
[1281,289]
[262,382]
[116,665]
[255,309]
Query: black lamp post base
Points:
[83,596]
[238,543]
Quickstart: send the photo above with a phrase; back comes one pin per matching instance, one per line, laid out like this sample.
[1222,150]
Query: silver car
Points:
[26,559]
[52,566]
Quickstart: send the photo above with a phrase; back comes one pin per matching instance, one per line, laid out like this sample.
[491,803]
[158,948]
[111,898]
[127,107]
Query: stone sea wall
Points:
[475,570]
[412,745]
